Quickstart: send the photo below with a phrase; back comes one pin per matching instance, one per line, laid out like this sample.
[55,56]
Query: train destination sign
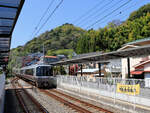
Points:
[128,89]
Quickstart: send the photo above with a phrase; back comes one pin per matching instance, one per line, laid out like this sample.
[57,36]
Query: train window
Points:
[21,71]
[44,71]
[29,71]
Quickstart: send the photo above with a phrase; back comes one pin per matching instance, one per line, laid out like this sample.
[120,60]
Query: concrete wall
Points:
[97,93]
[2,92]
[107,89]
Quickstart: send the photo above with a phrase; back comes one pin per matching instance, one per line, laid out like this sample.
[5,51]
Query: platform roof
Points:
[9,13]
[103,57]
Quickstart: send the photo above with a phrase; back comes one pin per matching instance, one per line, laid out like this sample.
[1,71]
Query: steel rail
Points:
[82,102]
[21,100]
[38,105]
[19,97]
[71,105]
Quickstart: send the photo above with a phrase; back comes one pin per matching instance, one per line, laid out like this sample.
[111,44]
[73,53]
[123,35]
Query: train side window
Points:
[29,71]
[21,71]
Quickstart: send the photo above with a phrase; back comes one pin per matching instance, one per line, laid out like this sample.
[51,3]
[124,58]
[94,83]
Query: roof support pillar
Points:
[76,69]
[53,70]
[69,69]
[128,65]
[99,67]
[61,70]
[81,70]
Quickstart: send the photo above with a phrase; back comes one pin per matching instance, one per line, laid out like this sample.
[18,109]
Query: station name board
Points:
[128,89]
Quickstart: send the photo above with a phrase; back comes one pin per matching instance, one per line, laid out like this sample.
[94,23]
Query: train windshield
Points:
[44,71]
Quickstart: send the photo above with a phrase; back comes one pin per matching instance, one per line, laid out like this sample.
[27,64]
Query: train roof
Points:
[34,66]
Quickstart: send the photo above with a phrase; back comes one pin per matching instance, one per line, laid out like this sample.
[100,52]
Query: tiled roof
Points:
[137,41]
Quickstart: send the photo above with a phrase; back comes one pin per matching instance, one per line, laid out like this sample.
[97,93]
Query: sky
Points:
[81,13]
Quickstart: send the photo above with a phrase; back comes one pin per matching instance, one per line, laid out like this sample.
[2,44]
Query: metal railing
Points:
[109,85]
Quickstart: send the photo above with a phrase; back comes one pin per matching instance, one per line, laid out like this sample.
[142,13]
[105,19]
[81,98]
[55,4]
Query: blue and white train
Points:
[40,75]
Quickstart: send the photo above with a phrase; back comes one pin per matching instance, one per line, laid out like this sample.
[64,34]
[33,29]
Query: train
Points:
[40,75]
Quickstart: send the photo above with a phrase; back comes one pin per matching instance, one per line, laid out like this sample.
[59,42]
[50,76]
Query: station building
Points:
[109,68]
[139,66]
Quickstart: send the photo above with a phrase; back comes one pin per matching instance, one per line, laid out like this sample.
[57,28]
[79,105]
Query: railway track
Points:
[65,102]
[74,103]
[81,102]
[27,102]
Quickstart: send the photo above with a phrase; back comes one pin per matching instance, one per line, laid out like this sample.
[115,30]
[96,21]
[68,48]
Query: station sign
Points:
[128,89]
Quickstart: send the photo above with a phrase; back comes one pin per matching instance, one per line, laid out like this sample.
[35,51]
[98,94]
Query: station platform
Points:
[106,93]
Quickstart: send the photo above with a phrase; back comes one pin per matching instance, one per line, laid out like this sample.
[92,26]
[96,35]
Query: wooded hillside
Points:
[67,38]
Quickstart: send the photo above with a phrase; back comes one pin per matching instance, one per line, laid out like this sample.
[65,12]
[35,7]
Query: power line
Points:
[95,12]
[108,14]
[51,14]
[43,16]
[121,12]
[90,10]
[131,7]
[102,12]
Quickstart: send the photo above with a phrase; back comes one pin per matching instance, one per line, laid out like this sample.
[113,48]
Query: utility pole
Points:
[43,54]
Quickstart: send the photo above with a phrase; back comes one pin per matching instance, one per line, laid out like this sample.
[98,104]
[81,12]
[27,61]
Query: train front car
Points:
[44,77]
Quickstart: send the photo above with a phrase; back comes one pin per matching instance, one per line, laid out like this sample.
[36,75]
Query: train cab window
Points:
[44,71]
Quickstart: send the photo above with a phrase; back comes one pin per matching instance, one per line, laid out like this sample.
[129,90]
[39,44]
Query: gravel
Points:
[50,104]
[78,96]
[76,103]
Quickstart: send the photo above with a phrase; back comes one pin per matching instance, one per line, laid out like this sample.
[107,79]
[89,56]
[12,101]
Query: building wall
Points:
[79,74]
[147,67]
[133,62]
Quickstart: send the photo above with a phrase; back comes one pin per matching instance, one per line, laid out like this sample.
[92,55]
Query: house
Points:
[112,67]
[91,72]
[47,59]
[139,66]
[39,58]
[142,69]
[31,59]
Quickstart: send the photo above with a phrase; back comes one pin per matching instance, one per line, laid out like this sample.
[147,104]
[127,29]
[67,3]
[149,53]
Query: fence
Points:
[2,92]
[108,87]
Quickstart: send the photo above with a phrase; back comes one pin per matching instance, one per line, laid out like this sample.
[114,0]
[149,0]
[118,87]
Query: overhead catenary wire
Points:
[108,14]
[89,16]
[46,11]
[51,14]
[88,12]
[123,10]
[101,12]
